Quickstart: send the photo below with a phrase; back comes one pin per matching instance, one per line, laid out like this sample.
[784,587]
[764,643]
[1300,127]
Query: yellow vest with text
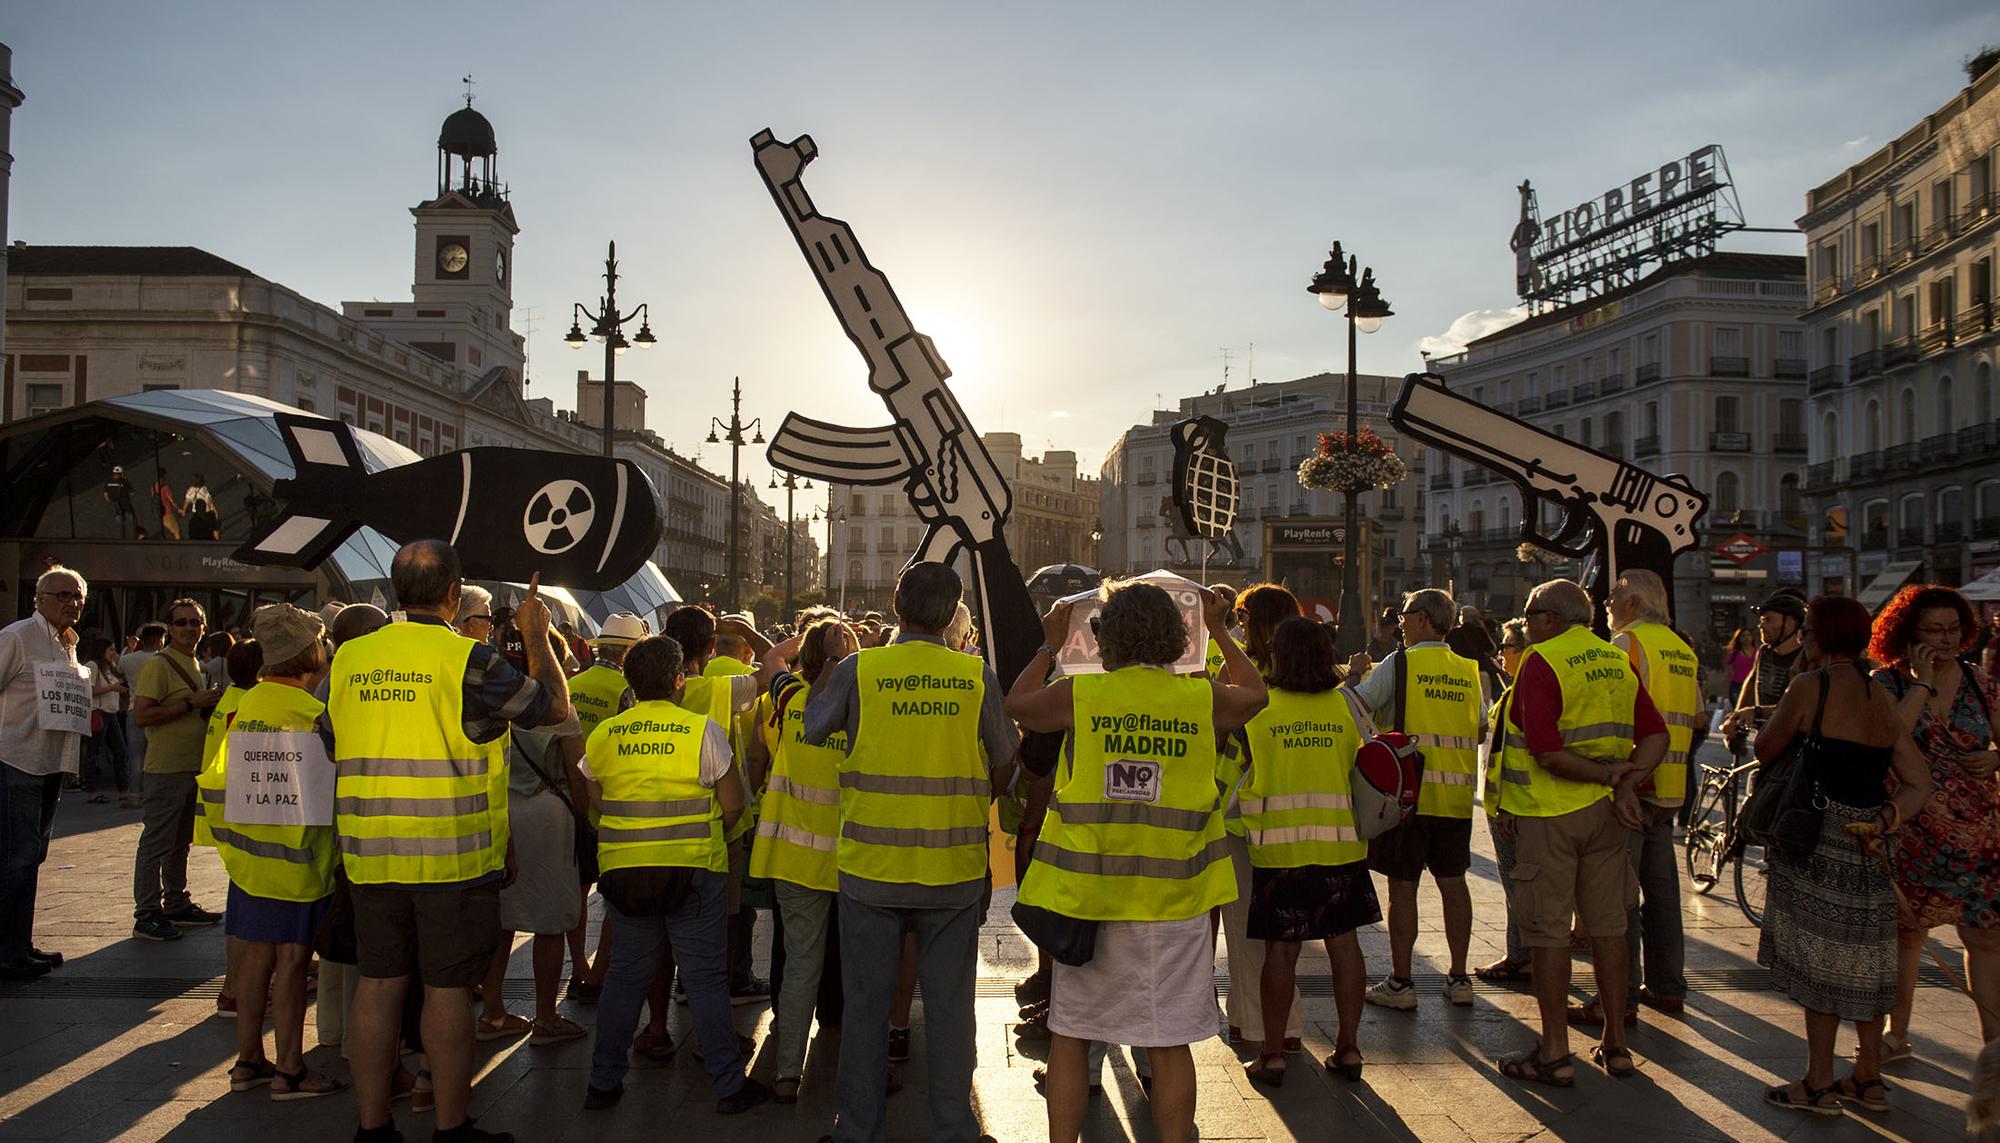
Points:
[800,826]
[1599,690]
[1496,730]
[1134,828]
[1298,804]
[915,787]
[1441,715]
[416,801]
[1673,682]
[211,757]
[282,863]
[654,810]
[596,694]
[1214,659]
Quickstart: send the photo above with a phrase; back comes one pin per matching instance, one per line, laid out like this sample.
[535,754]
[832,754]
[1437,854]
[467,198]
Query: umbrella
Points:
[1057,580]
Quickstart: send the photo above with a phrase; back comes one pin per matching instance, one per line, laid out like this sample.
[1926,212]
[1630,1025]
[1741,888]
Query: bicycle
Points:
[1714,842]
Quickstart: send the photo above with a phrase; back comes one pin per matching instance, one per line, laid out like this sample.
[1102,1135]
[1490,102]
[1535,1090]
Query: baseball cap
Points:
[1785,603]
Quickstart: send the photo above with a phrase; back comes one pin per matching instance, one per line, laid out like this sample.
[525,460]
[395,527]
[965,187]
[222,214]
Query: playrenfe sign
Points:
[1632,201]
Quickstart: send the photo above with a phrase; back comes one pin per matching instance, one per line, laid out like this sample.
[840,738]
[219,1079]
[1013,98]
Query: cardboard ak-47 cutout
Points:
[930,448]
[1617,517]
[583,522]
[1205,489]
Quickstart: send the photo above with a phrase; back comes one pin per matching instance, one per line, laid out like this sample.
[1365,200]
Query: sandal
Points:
[1893,1050]
[654,1045]
[1349,1071]
[785,1090]
[1870,1095]
[304,1085]
[1530,1067]
[261,1073]
[1261,1071]
[503,1027]
[1616,1062]
[1819,1101]
[556,1031]
[1504,971]
[1591,1015]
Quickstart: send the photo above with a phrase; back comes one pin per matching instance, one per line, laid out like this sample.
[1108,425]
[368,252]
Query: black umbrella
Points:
[1058,580]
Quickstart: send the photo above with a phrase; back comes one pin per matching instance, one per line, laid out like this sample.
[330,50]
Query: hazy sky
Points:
[1083,203]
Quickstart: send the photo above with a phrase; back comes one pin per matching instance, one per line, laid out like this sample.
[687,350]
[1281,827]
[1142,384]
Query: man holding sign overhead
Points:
[44,716]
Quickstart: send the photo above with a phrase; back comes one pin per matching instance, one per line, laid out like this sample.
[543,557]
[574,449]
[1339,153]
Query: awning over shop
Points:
[1886,582]
[1985,589]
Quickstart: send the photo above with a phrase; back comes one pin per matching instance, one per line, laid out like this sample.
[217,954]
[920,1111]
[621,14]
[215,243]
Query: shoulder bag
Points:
[584,837]
[1786,810]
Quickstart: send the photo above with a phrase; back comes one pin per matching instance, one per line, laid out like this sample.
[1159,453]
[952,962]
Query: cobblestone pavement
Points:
[120,1044]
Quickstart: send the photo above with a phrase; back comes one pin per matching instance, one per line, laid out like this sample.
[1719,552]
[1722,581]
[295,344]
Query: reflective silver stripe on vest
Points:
[1675,758]
[1288,835]
[817,795]
[1674,718]
[416,846]
[1133,813]
[214,795]
[686,831]
[1130,865]
[779,831]
[413,767]
[1516,775]
[1597,730]
[676,809]
[913,838]
[1279,803]
[1514,740]
[1446,777]
[1445,741]
[411,807]
[937,787]
[256,847]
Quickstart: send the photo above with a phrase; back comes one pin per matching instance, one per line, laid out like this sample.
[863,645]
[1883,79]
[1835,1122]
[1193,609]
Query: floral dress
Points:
[1948,858]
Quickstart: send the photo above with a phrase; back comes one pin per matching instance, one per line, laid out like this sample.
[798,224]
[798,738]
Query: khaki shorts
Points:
[1571,866]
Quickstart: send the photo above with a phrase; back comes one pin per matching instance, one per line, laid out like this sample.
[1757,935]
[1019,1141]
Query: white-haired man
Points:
[44,716]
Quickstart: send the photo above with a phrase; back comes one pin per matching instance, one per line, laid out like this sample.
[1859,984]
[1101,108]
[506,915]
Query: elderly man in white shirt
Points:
[45,705]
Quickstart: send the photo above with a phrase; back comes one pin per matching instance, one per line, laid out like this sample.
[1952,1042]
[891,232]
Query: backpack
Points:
[1388,772]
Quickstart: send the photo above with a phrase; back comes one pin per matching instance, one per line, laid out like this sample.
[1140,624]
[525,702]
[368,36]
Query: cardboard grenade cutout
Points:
[583,522]
[1205,489]
[1617,517]
[929,447]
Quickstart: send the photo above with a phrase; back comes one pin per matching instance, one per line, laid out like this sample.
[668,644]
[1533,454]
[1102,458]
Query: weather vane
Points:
[467,81]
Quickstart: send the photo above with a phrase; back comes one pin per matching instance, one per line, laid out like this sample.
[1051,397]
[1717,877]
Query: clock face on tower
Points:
[452,258]
[500,267]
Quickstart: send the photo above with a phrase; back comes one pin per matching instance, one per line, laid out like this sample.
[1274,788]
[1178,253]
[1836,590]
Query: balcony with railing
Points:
[1901,251]
[1948,532]
[1440,481]
[1976,319]
[1898,354]
[1866,465]
[1910,537]
[1788,442]
[1825,379]
[1940,233]
[1788,368]
[1611,383]
[1646,374]
[1940,449]
[1822,476]
[1827,290]
[1978,208]
[1874,539]
[1902,457]
[1528,406]
[1979,439]
[1936,338]
[1558,399]
[1648,445]
[1986,528]
[1729,442]
[1867,363]
[1868,269]
[1586,391]
[1720,366]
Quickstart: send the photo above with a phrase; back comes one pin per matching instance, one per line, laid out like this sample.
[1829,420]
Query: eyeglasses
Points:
[64,596]
[1513,646]
[187,622]
[1941,632]
[477,619]
[1534,611]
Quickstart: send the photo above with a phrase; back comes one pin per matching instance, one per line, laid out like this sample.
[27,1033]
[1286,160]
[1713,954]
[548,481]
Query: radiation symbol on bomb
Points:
[558,517]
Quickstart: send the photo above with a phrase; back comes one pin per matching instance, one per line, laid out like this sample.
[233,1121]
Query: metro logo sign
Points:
[1740,548]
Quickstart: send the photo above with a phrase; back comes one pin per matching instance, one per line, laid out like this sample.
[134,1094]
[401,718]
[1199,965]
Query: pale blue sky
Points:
[1082,203]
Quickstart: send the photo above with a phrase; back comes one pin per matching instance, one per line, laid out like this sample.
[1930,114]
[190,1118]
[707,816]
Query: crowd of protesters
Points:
[470,774]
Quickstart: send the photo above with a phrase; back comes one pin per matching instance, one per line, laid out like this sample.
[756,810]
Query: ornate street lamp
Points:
[1337,289]
[607,326]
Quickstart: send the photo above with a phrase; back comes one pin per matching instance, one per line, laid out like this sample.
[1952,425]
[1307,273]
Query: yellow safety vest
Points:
[800,826]
[1496,729]
[596,694]
[211,755]
[1215,660]
[655,811]
[1441,715]
[1673,682]
[416,801]
[1598,693]
[1298,804]
[282,863]
[914,787]
[1134,829]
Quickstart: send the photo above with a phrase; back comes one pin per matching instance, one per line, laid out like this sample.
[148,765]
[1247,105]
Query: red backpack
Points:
[1388,771]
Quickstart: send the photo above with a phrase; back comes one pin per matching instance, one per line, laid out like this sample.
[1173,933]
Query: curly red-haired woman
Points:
[1948,865]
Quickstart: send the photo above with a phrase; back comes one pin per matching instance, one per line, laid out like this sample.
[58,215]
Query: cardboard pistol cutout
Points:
[1206,492]
[1617,517]
[583,522]
[929,447]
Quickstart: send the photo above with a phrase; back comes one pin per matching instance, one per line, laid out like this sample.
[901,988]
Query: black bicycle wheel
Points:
[1705,837]
[1751,879]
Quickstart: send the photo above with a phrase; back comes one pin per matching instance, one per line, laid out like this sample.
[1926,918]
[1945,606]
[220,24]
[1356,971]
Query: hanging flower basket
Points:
[1535,554]
[1369,464]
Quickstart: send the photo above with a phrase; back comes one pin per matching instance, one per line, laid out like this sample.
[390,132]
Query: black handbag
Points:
[1786,810]
[1071,940]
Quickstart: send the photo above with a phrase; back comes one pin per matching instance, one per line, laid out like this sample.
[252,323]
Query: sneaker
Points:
[899,1045]
[749,990]
[598,1098]
[470,1132]
[192,916]
[156,929]
[1458,990]
[225,1007]
[1390,992]
[748,1096]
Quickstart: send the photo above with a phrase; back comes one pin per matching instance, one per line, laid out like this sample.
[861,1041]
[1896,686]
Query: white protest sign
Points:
[1078,654]
[62,697]
[278,778]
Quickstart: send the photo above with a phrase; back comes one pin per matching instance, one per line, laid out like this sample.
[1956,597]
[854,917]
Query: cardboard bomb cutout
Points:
[583,522]
[929,447]
[1205,489]
[1617,517]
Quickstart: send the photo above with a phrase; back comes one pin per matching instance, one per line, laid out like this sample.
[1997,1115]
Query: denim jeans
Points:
[1653,930]
[806,914]
[696,929]
[1503,863]
[27,815]
[160,871]
[871,941]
